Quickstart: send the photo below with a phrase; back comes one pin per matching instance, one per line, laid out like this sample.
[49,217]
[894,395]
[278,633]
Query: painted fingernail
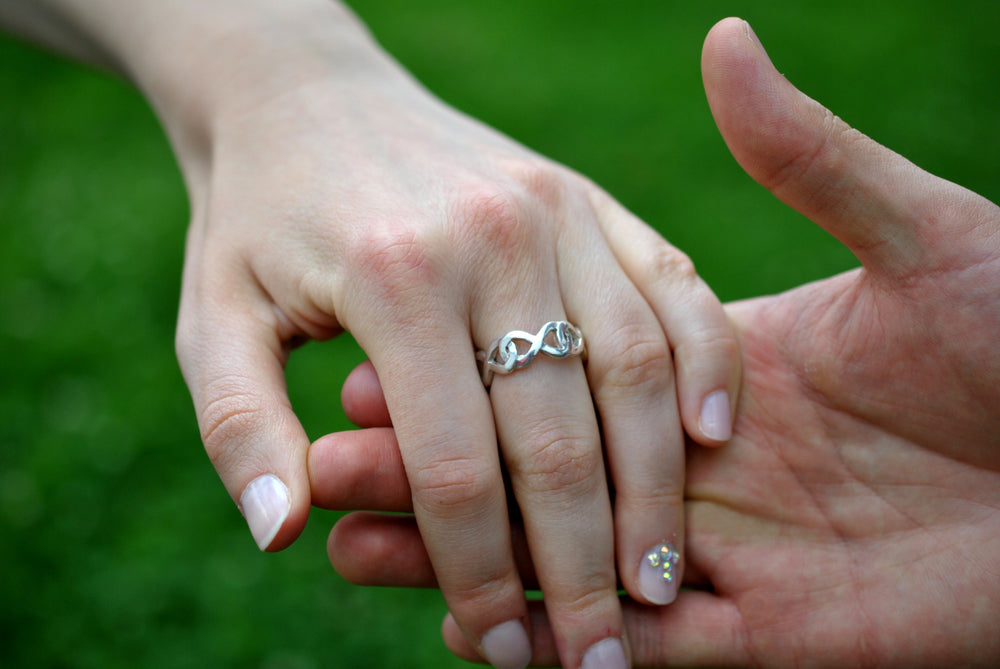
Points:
[506,646]
[265,504]
[659,576]
[605,654]
[715,421]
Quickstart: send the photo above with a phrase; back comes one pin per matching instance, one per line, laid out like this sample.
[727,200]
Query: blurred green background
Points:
[119,547]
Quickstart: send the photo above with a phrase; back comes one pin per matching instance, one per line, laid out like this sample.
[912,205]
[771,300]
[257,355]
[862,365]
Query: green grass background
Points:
[118,546]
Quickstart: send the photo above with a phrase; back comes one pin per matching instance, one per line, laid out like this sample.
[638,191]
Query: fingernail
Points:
[658,574]
[715,421]
[265,504]
[605,654]
[506,646]
[752,36]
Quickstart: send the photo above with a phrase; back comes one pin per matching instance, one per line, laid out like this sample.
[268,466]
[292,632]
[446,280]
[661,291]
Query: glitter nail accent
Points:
[664,558]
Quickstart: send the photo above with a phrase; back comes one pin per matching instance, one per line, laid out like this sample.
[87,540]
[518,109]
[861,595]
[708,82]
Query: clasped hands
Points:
[851,518]
[854,516]
[850,512]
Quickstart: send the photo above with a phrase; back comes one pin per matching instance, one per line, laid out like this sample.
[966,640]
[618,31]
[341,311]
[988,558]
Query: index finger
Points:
[233,362]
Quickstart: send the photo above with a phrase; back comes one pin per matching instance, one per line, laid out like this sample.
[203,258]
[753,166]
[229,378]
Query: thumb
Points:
[897,219]
[234,369]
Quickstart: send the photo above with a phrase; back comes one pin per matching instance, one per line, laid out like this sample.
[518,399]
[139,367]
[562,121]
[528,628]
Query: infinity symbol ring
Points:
[557,339]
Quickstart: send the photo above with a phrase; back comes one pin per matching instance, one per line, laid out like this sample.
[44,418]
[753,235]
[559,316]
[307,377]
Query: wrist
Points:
[224,60]
[200,63]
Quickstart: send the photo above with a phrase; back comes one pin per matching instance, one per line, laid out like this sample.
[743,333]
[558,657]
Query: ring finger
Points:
[551,445]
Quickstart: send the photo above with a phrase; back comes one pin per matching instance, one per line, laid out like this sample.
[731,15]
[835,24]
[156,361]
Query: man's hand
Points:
[855,516]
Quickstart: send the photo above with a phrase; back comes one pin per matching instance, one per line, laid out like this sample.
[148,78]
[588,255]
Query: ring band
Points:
[558,339]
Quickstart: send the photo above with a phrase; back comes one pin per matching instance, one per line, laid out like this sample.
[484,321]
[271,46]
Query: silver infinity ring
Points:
[558,339]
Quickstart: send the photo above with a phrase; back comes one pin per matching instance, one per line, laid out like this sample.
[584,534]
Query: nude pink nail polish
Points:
[605,654]
[715,419]
[265,504]
[659,575]
[506,646]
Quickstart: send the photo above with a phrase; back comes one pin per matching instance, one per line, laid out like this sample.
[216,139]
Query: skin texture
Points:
[330,192]
[853,518]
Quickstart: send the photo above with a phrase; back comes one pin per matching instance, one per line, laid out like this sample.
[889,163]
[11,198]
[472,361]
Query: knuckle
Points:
[228,416]
[586,600]
[481,588]
[543,181]
[823,152]
[668,263]
[707,347]
[455,486]
[493,219]
[715,342]
[397,259]
[651,496]
[558,461]
[638,359]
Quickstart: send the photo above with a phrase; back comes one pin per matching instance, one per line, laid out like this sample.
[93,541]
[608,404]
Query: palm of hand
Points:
[852,518]
[854,514]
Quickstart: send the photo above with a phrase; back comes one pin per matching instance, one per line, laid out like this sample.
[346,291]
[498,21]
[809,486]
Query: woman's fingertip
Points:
[507,646]
[605,654]
[659,574]
[715,419]
[265,504]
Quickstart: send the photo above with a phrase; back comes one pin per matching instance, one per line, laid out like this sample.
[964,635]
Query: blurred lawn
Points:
[120,548]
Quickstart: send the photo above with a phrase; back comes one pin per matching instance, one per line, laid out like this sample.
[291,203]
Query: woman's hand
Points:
[358,202]
[852,519]
[331,193]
